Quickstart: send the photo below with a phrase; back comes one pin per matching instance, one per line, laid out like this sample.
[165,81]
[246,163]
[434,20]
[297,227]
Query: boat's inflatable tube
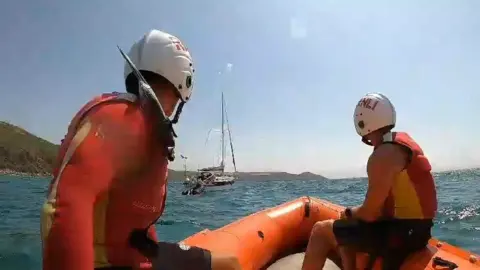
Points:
[269,235]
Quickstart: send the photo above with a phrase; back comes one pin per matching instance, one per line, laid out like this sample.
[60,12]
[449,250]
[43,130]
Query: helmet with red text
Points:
[374,111]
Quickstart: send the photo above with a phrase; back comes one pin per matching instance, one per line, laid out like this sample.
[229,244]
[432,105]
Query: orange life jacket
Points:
[413,195]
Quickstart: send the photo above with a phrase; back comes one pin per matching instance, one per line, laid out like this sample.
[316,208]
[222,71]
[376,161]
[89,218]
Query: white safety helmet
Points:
[373,112]
[164,54]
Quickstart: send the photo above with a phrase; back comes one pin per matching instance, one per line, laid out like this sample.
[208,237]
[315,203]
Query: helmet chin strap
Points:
[387,137]
[178,112]
[366,141]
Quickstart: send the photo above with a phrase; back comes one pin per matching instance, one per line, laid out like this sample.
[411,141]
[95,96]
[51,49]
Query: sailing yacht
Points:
[216,177]
[187,181]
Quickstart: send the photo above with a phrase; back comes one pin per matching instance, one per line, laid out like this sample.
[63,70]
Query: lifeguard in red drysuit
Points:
[111,175]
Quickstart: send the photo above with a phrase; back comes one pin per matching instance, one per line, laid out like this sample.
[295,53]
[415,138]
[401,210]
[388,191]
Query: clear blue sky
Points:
[297,70]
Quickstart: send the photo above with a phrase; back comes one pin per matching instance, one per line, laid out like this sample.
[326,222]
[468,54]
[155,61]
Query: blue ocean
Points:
[458,221]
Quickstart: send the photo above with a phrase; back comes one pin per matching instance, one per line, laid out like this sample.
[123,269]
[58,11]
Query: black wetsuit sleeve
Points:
[170,256]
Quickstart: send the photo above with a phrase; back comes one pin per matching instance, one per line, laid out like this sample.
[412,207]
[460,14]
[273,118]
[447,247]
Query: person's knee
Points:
[322,228]
[225,262]
[233,263]
[323,231]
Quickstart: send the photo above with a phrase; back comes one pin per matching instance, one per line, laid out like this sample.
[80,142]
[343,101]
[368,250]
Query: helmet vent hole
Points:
[361,124]
[180,86]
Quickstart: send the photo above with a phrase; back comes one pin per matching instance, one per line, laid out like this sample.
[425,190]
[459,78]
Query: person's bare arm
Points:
[383,165]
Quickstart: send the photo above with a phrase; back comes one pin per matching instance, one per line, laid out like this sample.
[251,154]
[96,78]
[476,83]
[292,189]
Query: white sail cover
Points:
[209,169]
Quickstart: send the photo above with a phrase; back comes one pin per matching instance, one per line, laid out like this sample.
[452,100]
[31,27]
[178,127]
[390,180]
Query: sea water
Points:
[458,221]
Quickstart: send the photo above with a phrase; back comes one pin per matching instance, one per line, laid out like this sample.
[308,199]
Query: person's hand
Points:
[346,214]
[140,241]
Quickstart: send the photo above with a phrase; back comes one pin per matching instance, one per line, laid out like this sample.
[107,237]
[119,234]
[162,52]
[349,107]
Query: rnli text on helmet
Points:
[367,103]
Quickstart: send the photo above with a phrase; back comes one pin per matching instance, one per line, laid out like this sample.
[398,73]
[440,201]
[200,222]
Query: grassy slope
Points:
[22,151]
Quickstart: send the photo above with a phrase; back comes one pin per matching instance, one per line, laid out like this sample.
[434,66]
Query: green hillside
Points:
[21,151]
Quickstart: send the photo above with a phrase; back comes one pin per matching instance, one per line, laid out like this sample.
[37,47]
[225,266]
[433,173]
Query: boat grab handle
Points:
[437,261]
[307,207]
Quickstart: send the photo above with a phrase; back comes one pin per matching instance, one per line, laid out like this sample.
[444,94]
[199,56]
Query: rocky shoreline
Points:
[22,174]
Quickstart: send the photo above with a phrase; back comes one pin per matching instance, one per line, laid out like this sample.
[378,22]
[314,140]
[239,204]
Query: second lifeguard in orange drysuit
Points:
[397,214]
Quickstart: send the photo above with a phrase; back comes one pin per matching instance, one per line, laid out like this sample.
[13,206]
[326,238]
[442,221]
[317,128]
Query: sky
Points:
[292,73]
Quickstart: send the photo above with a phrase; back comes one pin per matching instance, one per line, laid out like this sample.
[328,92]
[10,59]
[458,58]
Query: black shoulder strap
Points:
[167,135]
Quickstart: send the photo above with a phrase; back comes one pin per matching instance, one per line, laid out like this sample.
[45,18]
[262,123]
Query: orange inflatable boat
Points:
[267,238]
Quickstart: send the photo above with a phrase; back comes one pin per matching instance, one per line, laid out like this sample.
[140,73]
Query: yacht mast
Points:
[231,143]
[223,137]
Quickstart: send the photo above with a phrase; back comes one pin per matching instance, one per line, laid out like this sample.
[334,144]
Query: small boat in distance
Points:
[196,189]
[216,177]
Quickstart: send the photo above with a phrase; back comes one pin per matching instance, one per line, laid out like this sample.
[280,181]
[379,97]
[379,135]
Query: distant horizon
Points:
[343,177]
[336,175]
